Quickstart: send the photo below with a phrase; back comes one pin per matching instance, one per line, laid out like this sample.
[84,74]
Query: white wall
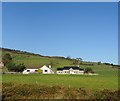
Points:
[70,72]
[46,70]
[28,71]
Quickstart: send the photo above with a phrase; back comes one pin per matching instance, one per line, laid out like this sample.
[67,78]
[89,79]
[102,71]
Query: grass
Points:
[75,81]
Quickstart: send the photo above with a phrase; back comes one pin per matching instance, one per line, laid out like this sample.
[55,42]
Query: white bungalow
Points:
[70,70]
[45,70]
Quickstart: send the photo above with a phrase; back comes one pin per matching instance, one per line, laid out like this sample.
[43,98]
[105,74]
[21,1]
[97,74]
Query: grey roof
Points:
[59,68]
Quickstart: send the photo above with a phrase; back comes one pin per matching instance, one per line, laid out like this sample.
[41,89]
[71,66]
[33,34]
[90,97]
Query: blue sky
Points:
[86,30]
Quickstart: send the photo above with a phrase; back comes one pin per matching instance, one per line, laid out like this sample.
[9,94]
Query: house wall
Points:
[66,72]
[59,72]
[28,71]
[70,72]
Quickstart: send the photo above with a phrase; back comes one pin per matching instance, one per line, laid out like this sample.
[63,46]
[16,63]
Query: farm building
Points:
[70,70]
[45,70]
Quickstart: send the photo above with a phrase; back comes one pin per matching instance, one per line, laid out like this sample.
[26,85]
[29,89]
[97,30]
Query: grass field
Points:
[78,81]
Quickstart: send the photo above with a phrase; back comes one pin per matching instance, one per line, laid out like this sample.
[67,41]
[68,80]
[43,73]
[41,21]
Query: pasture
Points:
[91,82]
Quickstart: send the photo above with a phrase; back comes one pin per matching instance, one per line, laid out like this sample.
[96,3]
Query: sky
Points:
[87,30]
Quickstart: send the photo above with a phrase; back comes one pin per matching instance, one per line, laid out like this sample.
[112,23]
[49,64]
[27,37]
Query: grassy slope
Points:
[33,61]
[107,77]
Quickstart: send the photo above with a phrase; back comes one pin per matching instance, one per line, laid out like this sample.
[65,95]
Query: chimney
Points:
[49,66]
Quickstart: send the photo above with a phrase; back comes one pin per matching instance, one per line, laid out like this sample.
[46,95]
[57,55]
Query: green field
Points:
[106,80]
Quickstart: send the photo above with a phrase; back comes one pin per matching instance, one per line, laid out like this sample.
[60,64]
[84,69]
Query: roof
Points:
[68,67]
[59,68]
[73,67]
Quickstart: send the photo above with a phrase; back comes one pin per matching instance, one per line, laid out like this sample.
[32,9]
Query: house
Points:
[45,70]
[70,70]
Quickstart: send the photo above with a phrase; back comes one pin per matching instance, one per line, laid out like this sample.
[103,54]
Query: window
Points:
[36,70]
[45,70]
[28,70]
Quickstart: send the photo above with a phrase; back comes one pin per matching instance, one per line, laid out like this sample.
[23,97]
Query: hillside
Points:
[32,60]
[107,77]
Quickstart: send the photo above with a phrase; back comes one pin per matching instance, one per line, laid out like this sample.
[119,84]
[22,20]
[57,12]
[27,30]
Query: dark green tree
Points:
[6,59]
[20,67]
[15,68]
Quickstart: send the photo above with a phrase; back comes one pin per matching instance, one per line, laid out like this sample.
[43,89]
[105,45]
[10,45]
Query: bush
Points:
[88,70]
[40,71]
[99,63]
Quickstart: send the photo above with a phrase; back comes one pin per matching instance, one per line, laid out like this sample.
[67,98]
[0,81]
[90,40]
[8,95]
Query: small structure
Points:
[70,70]
[1,64]
[45,70]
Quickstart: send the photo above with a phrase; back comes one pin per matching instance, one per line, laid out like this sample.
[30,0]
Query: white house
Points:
[70,70]
[45,70]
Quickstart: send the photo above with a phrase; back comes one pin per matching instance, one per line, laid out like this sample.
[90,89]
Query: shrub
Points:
[6,59]
[88,70]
